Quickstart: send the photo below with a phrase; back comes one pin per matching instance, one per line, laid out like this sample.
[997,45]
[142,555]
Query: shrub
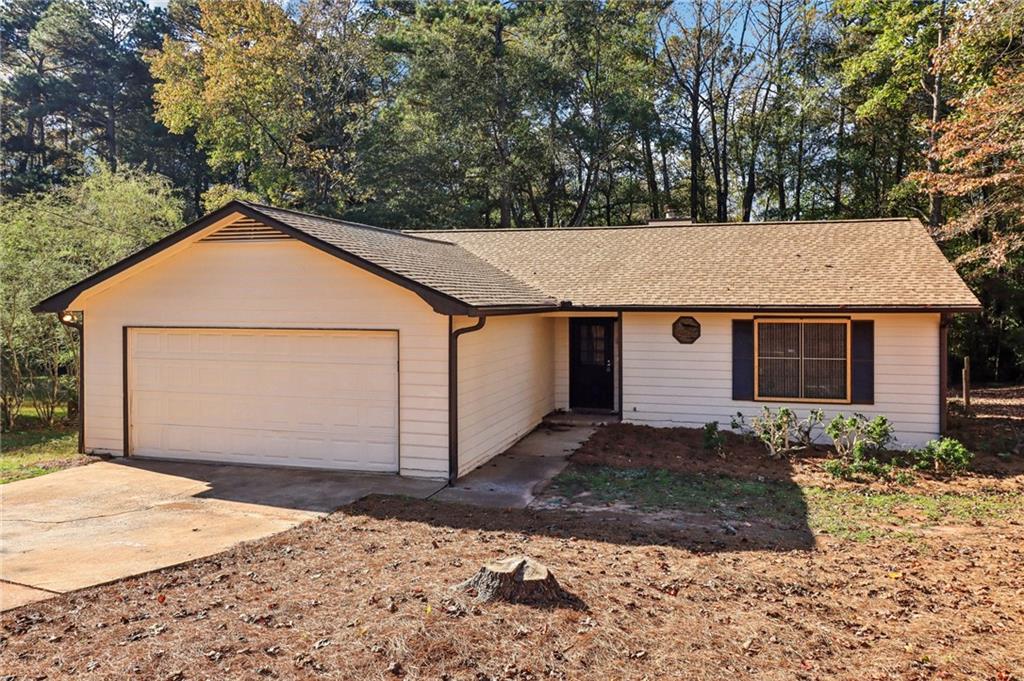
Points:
[858,437]
[879,433]
[781,431]
[838,468]
[867,466]
[774,429]
[805,428]
[713,440]
[902,476]
[946,455]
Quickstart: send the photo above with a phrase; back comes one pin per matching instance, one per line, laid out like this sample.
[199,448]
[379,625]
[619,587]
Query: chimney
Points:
[671,219]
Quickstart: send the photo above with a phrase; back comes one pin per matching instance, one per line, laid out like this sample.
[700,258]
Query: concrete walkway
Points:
[94,524]
[512,479]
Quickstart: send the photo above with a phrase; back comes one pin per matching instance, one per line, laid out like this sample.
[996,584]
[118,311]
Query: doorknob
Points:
[608,366]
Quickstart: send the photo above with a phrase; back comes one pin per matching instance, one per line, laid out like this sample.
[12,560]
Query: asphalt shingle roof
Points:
[432,262]
[885,263]
[871,264]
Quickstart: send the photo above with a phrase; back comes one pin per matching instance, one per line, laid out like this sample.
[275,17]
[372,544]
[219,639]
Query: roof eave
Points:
[947,309]
[496,310]
[530,308]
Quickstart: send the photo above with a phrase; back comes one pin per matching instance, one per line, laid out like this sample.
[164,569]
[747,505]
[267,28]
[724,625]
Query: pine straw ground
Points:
[365,594]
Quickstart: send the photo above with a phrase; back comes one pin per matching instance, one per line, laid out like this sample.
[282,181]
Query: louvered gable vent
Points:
[246,229]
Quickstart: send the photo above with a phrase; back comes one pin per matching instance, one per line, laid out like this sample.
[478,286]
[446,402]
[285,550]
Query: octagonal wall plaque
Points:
[686,330]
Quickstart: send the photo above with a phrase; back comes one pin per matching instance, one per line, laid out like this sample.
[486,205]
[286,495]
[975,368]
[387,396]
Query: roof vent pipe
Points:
[671,219]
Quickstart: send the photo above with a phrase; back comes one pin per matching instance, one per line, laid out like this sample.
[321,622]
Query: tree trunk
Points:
[901,153]
[837,189]
[799,188]
[580,213]
[666,185]
[111,135]
[608,199]
[750,189]
[505,191]
[780,179]
[722,200]
[649,172]
[695,146]
[935,197]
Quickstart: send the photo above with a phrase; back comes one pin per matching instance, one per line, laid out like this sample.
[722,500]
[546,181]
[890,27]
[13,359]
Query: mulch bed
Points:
[993,430]
[365,594]
[682,450]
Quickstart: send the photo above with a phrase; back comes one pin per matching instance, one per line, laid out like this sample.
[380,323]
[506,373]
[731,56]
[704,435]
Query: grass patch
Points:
[658,489]
[869,514]
[30,453]
[847,514]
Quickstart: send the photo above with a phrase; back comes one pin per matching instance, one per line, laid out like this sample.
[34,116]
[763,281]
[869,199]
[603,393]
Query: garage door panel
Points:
[324,399]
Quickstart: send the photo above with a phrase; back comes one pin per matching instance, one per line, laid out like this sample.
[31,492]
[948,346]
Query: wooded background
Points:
[122,121]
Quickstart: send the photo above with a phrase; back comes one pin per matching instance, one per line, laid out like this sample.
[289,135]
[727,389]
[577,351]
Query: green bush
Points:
[713,440]
[781,431]
[838,468]
[857,440]
[947,455]
[859,466]
[856,436]
[774,429]
[855,467]
[805,428]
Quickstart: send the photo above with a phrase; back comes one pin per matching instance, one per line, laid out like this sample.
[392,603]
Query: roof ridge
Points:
[348,223]
[685,226]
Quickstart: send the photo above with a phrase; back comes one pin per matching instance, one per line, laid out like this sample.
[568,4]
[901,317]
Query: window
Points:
[592,344]
[802,360]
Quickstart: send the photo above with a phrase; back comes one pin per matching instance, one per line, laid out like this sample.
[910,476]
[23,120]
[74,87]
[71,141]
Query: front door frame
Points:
[612,364]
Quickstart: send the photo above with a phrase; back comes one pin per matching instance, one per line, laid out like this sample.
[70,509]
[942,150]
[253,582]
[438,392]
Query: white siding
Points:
[669,384]
[506,385]
[270,284]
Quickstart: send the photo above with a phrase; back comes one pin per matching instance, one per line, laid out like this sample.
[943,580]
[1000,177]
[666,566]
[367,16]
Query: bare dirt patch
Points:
[367,594]
[1005,401]
[993,428]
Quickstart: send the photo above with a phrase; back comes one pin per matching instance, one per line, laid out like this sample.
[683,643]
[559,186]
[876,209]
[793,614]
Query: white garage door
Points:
[318,399]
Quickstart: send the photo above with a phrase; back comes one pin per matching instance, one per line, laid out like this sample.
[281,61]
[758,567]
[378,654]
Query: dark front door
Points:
[591,363]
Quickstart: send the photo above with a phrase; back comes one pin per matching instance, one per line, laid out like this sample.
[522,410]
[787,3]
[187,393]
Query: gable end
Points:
[246,229]
[440,302]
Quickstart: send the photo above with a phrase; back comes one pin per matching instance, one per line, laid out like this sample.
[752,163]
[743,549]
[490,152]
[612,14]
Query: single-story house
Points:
[259,335]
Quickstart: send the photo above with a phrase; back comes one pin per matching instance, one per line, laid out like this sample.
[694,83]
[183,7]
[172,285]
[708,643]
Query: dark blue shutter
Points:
[862,356]
[742,359]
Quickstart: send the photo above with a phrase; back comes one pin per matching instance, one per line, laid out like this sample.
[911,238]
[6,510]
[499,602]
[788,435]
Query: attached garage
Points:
[284,397]
[264,336]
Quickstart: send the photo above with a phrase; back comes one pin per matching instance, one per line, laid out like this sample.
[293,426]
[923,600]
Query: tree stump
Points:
[515,580]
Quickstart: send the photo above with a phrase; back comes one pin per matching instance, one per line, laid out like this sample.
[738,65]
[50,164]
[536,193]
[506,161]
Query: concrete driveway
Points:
[94,524]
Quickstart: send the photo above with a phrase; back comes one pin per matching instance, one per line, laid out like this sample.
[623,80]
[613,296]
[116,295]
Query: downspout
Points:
[944,320]
[453,392]
[76,320]
[618,362]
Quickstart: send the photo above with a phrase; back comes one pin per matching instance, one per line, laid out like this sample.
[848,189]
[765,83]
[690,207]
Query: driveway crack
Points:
[87,517]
